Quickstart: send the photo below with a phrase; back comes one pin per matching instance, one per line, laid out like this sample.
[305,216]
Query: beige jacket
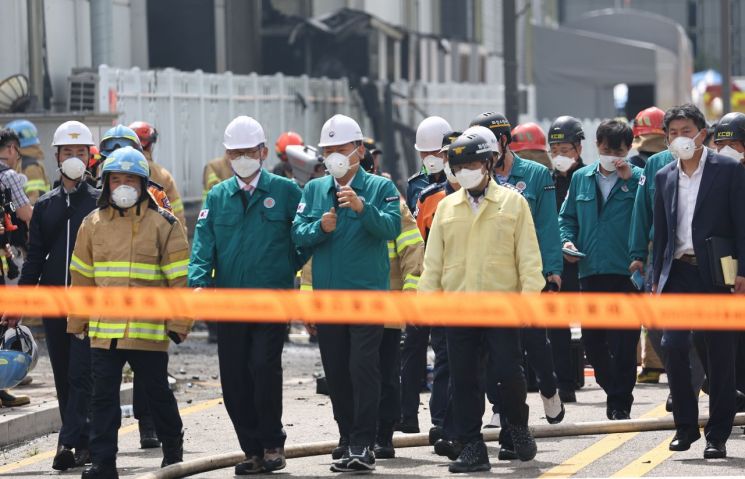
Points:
[144,246]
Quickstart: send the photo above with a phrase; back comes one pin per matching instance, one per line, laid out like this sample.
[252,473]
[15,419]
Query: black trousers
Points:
[561,338]
[71,367]
[413,371]
[251,377]
[389,411]
[466,348]
[612,352]
[717,352]
[351,361]
[561,348]
[538,349]
[106,415]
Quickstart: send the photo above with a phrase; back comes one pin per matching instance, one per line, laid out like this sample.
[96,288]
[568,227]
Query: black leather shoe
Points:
[100,471]
[620,415]
[435,433]
[507,453]
[473,458]
[384,449]
[148,437]
[173,450]
[82,457]
[341,449]
[715,450]
[683,440]
[669,403]
[252,465]
[449,449]
[64,459]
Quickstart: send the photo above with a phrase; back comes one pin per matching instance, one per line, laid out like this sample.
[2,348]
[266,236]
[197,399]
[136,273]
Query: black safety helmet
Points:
[468,148]
[368,161]
[496,122]
[449,138]
[731,127]
[566,129]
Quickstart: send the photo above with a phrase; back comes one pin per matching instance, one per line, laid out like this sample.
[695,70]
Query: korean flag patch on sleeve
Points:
[300,207]
[203,215]
[642,180]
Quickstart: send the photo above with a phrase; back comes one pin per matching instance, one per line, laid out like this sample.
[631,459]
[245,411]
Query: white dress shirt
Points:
[688,187]
[475,202]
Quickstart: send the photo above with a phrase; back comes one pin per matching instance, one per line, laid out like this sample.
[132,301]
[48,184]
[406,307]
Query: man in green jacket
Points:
[345,220]
[594,221]
[243,235]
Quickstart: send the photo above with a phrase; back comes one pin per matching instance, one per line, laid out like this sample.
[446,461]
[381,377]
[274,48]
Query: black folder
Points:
[718,248]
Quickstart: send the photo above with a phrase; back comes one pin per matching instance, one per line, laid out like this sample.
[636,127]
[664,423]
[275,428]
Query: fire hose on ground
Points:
[221,461]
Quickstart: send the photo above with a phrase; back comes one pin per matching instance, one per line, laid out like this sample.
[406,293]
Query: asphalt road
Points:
[308,418]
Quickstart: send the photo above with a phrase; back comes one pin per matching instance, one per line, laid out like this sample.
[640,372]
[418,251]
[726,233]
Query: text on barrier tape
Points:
[597,310]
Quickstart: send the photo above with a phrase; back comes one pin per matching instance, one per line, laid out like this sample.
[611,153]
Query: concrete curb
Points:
[220,461]
[44,419]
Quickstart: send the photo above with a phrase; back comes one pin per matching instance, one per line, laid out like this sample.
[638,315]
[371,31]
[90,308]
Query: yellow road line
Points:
[642,465]
[201,406]
[599,449]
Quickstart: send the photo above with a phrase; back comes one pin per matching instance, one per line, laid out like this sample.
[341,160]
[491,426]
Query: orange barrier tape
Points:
[377,307]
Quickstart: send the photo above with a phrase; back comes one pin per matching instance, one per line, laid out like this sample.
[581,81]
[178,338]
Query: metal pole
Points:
[509,48]
[35,21]
[725,67]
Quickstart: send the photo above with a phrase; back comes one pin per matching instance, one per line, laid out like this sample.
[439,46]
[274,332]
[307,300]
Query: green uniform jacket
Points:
[355,255]
[534,182]
[245,239]
[601,231]
[642,231]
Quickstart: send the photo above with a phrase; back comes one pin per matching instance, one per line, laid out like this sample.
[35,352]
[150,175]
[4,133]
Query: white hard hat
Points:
[73,133]
[243,132]
[339,130]
[430,132]
[487,135]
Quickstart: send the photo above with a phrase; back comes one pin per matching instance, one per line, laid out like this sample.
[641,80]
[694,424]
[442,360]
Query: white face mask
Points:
[683,147]
[434,164]
[469,179]
[449,173]
[124,196]
[606,161]
[731,152]
[562,163]
[72,168]
[337,164]
[245,166]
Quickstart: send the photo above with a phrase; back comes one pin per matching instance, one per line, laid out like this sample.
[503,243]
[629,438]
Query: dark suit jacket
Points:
[719,211]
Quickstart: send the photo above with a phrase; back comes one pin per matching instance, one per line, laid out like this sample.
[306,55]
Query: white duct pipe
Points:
[102,34]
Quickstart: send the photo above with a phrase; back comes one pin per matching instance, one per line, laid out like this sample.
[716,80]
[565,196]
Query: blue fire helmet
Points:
[26,131]
[14,366]
[126,160]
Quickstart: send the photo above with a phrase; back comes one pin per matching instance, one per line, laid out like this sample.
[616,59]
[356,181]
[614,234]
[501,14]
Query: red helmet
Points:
[528,136]
[286,139]
[649,122]
[95,158]
[145,132]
